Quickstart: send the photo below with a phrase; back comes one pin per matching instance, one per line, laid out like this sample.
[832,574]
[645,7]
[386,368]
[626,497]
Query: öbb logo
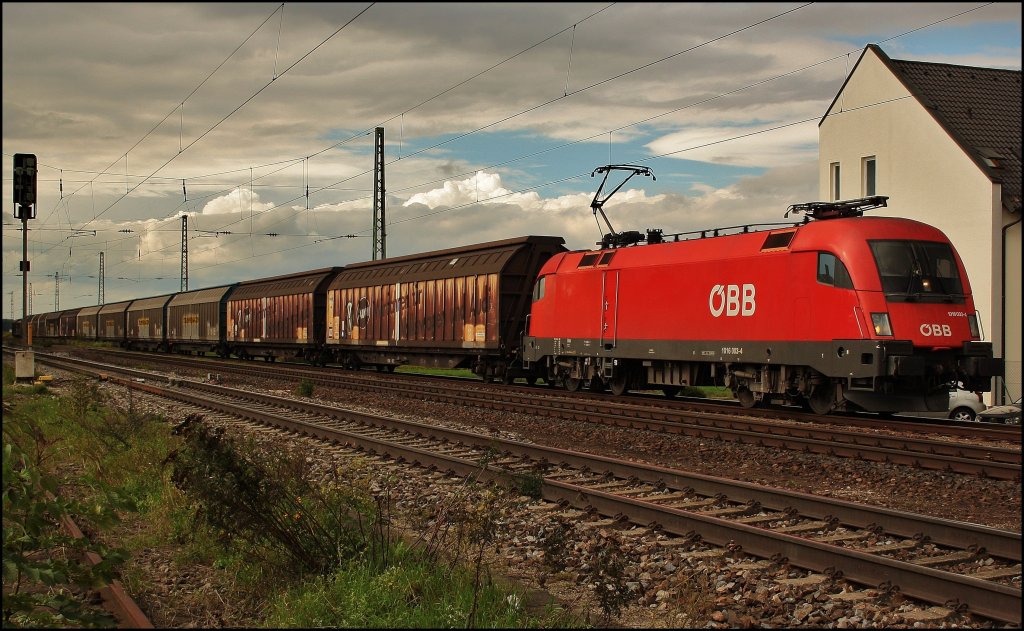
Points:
[936,330]
[732,300]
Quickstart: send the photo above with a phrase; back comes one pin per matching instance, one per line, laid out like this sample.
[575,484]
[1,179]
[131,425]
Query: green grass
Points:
[711,392]
[409,594]
[445,372]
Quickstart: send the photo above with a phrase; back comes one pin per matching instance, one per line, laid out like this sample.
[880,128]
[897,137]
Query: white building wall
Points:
[927,177]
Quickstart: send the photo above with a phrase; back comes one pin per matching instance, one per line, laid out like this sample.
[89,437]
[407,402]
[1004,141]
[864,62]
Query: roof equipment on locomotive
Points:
[614,239]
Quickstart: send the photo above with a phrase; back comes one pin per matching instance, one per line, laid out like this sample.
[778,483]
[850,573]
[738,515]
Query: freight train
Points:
[837,312]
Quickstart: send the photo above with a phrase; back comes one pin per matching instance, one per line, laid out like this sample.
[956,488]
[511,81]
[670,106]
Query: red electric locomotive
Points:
[870,311]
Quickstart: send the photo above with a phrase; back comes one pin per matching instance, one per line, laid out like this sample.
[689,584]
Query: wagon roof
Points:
[155,302]
[200,296]
[480,258]
[88,311]
[115,307]
[299,283]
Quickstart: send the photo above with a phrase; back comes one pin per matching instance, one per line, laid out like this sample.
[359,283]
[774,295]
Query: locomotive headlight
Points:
[972,321]
[881,323]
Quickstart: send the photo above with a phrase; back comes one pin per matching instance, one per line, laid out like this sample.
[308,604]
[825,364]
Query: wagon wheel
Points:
[596,384]
[670,391]
[618,384]
[572,384]
[531,380]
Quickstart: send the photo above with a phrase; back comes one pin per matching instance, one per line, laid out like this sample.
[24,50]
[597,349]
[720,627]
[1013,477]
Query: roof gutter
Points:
[1002,319]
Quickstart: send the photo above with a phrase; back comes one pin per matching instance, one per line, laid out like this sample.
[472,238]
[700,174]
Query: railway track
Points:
[997,462]
[935,560]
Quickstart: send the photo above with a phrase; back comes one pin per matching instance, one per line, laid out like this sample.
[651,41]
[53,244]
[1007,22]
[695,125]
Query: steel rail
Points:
[115,598]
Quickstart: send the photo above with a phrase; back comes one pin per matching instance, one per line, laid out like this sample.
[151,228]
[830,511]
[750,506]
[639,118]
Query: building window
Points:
[833,184]
[868,175]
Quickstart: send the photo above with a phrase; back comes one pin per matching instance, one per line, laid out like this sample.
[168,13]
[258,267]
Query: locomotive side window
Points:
[538,288]
[606,258]
[832,271]
[587,260]
[917,270]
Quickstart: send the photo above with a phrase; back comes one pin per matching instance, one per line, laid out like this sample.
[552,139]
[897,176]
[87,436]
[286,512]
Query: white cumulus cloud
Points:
[240,200]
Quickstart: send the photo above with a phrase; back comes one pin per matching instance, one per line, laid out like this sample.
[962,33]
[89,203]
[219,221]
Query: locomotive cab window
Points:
[832,271]
[538,288]
[917,271]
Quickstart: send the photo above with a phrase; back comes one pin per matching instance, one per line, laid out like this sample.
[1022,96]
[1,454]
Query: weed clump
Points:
[271,501]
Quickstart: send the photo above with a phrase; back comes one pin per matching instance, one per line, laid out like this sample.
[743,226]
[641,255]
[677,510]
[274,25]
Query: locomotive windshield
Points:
[918,270]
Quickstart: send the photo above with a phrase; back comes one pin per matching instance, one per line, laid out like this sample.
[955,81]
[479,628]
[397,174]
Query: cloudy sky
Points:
[256,121]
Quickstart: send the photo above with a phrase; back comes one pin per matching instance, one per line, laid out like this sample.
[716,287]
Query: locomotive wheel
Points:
[670,391]
[618,384]
[571,384]
[746,397]
[821,399]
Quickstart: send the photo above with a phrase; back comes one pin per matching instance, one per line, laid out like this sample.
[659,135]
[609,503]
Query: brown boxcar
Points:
[110,322]
[463,307]
[280,316]
[68,323]
[36,326]
[43,325]
[86,329]
[49,325]
[145,320]
[197,319]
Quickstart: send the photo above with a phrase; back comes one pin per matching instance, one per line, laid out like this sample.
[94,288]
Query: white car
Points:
[964,405]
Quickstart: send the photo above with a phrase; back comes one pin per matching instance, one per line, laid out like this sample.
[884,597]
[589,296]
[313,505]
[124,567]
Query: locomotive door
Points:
[609,308]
